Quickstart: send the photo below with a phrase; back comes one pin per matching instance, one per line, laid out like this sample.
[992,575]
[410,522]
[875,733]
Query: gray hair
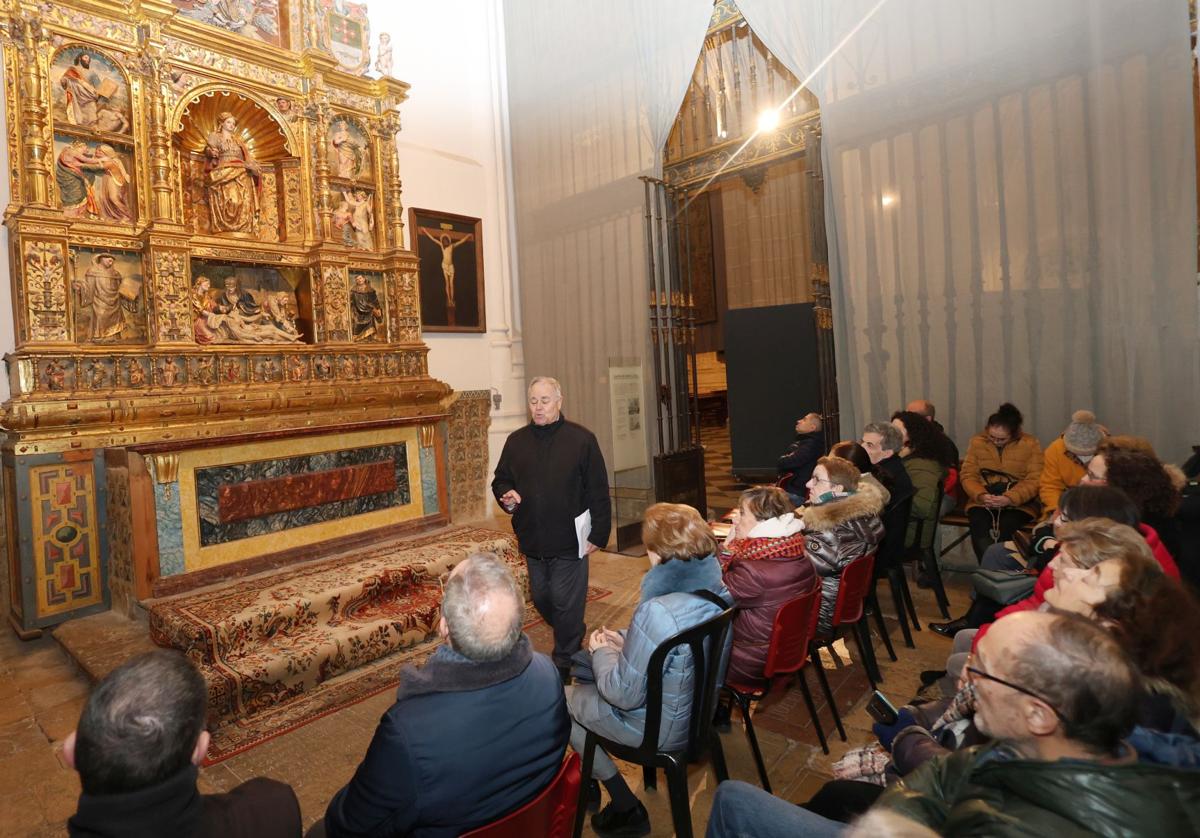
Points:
[140,723]
[483,608]
[892,440]
[545,379]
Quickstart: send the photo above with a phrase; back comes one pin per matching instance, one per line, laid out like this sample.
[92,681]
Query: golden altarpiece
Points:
[218,352]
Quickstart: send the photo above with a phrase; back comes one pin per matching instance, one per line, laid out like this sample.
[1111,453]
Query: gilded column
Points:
[35,146]
[162,204]
[389,127]
[318,114]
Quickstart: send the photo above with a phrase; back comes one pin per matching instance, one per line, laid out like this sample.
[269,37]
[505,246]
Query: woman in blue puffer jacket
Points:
[681,550]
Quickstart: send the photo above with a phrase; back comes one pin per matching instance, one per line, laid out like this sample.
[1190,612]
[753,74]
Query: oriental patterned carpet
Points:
[283,649]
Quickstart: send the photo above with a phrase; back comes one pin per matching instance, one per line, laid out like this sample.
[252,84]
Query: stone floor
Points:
[42,692]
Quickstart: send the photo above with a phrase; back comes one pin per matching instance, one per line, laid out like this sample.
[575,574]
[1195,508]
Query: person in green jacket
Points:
[924,458]
[1059,697]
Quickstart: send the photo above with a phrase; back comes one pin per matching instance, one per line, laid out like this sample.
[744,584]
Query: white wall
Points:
[453,158]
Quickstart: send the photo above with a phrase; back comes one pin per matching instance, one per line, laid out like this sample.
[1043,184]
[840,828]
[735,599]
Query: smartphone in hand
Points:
[882,710]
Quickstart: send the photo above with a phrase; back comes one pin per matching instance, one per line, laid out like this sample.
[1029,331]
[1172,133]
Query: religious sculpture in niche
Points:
[107,297]
[89,91]
[234,180]
[250,305]
[349,151]
[236,164]
[354,218]
[258,19]
[93,179]
[366,307]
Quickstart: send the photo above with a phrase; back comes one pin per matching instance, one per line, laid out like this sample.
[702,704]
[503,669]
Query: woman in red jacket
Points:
[764,567]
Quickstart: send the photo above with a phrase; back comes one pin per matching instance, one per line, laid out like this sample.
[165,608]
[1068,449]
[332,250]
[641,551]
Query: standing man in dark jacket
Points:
[801,457]
[550,478]
[475,733]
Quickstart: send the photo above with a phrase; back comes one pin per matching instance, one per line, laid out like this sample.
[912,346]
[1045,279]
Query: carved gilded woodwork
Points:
[111,111]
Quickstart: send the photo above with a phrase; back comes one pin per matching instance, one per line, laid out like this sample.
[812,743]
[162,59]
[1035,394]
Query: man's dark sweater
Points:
[258,808]
[559,472]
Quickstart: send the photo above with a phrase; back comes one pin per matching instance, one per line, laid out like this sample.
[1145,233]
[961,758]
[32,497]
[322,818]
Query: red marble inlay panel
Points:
[256,498]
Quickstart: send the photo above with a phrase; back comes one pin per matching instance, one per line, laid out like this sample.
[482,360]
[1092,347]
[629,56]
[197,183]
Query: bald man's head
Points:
[483,608]
[1085,685]
[922,408]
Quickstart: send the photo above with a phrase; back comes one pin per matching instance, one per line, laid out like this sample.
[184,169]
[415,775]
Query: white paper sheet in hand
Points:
[583,528]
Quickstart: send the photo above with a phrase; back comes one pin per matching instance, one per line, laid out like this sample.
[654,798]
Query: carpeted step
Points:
[270,638]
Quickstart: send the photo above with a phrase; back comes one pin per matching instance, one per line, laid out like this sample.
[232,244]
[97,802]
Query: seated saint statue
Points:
[234,182]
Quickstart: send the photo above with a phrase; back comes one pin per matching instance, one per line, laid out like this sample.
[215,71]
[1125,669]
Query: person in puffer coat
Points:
[841,524]
[681,550]
[764,567]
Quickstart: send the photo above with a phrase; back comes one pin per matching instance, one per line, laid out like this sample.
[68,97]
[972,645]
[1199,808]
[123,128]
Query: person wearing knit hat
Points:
[1066,459]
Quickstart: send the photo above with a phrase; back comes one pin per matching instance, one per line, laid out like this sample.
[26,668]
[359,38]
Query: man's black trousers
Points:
[558,585]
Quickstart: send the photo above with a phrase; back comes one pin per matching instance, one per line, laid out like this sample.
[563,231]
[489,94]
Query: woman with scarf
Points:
[764,567]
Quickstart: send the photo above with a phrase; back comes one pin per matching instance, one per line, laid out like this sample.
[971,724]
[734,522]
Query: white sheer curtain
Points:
[1011,206]
[593,90]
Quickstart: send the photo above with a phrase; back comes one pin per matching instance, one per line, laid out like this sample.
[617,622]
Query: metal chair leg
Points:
[908,601]
[882,626]
[862,637]
[718,758]
[681,813]
[812,711]
[899,588]
[589,756]
[744,704]
[935,574]
[837,717]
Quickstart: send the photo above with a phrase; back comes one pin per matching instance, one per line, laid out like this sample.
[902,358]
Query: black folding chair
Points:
[707,644]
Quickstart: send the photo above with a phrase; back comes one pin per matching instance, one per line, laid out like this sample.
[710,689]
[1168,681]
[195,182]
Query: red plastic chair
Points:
[850,610]
[788,654]
[551,813]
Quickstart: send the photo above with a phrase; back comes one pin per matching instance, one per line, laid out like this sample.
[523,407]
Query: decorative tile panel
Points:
[66,537]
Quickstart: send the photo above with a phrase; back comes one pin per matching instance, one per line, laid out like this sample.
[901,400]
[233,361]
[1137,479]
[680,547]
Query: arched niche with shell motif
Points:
[241,176]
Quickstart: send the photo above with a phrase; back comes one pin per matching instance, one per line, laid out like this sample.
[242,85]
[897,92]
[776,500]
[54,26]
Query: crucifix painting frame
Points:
[449,248]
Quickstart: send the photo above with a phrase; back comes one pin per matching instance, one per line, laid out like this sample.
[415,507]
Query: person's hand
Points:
[591,548]
[1001,501]
[509,500]
[598,639]
[887,733]
[615,639]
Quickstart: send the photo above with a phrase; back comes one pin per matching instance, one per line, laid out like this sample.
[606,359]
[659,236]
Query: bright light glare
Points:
[888,199]
[768,120]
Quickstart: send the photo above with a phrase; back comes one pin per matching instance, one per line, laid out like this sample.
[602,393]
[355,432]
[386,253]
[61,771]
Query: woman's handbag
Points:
[1003,586]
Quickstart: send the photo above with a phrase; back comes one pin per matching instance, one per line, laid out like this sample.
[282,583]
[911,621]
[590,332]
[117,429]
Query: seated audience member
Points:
[924,461]
[1000,477]
[861,460]
[1058,696]
[1153,487]
[137,749]
[1156,620]
[925,408]
[609,696]
[798,461]
[1066,459]
[883,443]
[842,523]
[1082,546]
[1077,504]
[764,567]
[476,732]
